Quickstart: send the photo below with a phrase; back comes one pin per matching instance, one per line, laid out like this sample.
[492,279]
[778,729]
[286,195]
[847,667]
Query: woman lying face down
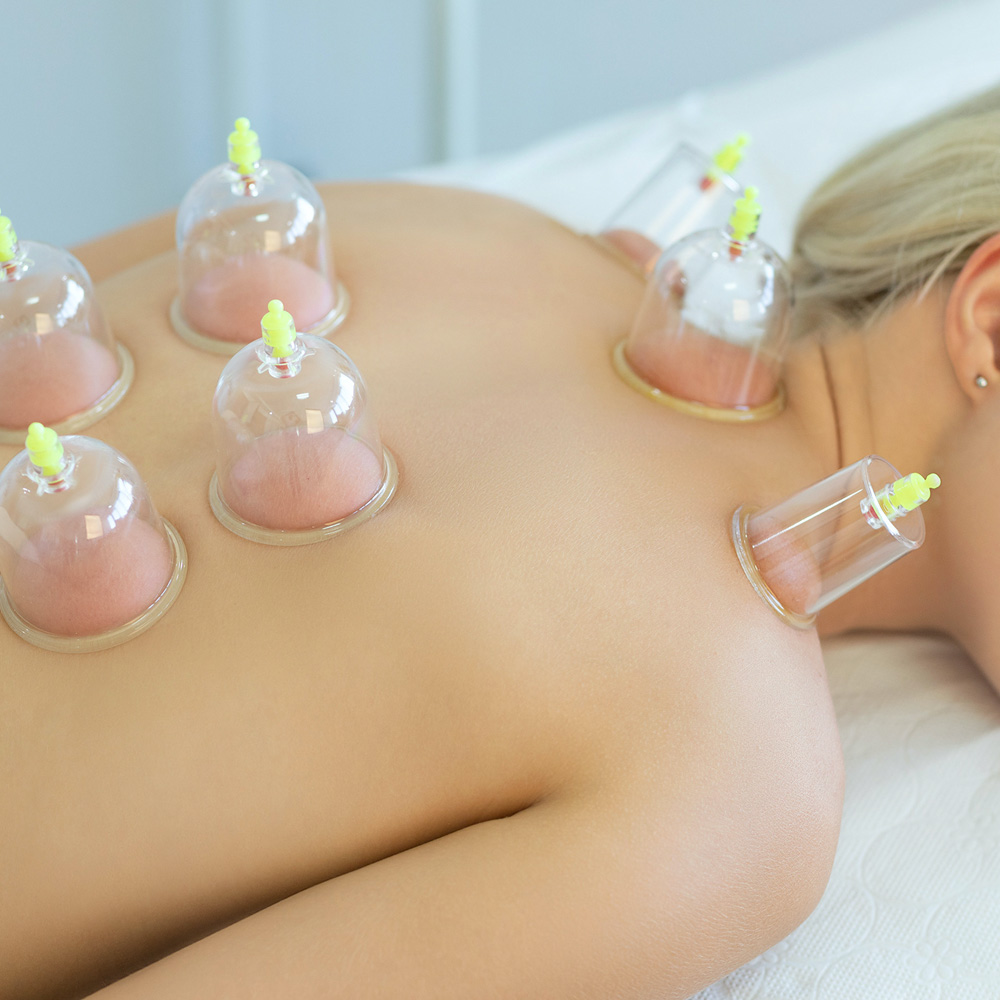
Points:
[529,732]
[902,242]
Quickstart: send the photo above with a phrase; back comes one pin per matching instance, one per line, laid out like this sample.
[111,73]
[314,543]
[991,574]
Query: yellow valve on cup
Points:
[901,496]
[45,450]
[727,159]
[745,217]
[8,239]
[244,147]
[278,329]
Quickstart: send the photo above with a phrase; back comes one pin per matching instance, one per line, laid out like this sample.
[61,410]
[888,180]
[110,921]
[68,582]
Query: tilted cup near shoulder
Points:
[248,231]
[59,361]
[803,553]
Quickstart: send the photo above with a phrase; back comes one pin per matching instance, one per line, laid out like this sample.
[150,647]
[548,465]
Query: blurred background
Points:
[114,107]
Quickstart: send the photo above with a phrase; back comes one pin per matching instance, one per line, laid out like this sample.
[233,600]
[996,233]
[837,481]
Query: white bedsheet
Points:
[912,911]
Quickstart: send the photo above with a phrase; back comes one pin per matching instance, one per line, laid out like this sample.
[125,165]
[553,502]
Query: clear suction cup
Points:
[248,231]
[299,457]
[59,362]
[85,560]
[805,552]
[711,332]
[689,192]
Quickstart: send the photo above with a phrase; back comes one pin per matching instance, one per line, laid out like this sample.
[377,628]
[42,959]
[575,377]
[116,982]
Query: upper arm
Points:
[573,897]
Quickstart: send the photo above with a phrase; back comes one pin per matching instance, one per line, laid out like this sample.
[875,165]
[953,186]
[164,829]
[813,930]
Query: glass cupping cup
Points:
[710,334]
[59,362]
[247,231]
[86,562]
[298,452]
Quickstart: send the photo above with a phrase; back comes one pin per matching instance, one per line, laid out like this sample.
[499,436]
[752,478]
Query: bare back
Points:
[549,607]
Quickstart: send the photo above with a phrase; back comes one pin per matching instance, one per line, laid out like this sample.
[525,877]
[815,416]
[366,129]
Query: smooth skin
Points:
[529,732]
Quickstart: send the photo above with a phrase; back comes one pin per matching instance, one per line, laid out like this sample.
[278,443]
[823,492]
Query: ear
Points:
[972,321]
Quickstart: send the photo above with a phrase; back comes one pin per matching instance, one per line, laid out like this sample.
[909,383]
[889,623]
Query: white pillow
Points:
[803,121]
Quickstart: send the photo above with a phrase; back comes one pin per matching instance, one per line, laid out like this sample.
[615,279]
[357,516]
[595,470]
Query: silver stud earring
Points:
[981,381]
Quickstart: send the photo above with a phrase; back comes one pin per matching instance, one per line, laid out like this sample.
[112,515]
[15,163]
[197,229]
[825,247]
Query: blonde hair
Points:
[903,214]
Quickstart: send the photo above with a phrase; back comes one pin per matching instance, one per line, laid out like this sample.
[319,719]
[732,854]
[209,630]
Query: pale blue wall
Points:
[96,117]
[627,53]
[113,107]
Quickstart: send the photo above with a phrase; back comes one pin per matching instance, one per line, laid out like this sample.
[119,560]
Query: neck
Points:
[843,411]
[827,382]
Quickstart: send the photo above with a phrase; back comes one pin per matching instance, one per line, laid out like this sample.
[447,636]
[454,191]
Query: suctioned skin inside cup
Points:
[705,369]
[227,301]
[71,585]
[683,360]
[641,250]
[292,481]
[49,377]
[788,565]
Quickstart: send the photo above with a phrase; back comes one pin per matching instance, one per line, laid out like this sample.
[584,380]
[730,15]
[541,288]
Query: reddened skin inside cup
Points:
[52,376]
[682,359]
[226,301]
[73,585]
[293,481]
[787,563]
[639,249]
